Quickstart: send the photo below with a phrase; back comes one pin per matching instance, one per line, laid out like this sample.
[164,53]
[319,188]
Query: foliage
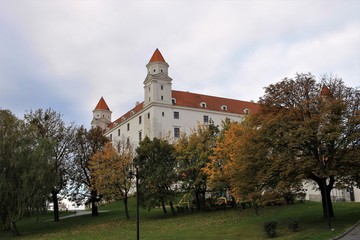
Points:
[110,168]
[24,168]
[156,164]
[215,168]
[270,228]
[47,124]
[305,130]
[193,154]
[87,143]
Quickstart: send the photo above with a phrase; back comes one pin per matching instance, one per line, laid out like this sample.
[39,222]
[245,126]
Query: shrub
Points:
[270,228]
[293,225]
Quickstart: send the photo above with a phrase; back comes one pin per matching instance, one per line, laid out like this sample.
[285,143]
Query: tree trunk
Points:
[94,209]
[197,200]
[56,205]
[172,207]
[325,197]
[126,207]
[14,229]
[163,206]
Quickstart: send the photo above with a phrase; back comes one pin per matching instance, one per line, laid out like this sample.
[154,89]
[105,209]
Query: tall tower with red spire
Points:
[101,115]
[157,84]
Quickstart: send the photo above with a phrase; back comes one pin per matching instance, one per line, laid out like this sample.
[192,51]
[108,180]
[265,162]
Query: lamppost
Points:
[136,174]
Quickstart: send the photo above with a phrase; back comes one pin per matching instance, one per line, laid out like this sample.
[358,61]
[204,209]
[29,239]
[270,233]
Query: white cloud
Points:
[78,51]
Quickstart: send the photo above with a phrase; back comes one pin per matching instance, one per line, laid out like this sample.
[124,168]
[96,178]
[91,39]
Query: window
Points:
[206,119]
[224,107]
[140,136]
[119,132]
[203,104]
[176,115]
[162,97]
[128,141]
[162,87]
[163,114]
[246,111]
[148,115]
[173,101]
[128,126]
[177,132]
[110,137]
[139,119]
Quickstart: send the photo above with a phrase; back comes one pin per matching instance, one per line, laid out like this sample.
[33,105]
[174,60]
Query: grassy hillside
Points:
[229,224]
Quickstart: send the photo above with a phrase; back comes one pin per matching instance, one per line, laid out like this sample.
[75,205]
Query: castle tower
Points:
[157,84]
[101,115]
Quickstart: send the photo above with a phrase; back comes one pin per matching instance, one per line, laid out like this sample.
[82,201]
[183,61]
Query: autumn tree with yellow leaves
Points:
[110,168]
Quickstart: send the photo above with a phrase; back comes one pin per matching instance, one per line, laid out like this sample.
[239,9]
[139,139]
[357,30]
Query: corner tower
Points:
[157,84]
[101,115]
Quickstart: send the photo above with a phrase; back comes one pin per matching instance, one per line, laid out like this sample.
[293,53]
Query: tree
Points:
[304,130]
[48,125]
[110,169]
[24,169]
[156,164]
[82,188]
[216,167]
[193,154]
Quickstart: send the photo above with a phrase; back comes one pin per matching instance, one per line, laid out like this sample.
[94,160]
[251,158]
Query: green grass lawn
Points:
[229,224]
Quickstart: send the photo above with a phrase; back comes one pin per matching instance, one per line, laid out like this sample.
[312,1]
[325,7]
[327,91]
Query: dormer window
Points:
[203,104]
[224,108]
[173,101]
[246,111]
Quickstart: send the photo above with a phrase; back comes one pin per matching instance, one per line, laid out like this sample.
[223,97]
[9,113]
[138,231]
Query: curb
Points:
[346,232]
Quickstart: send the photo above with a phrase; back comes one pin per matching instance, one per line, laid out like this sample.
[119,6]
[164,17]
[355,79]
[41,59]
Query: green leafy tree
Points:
[87,143]
[47,124]
[193,153]
[305,130]
[24,169]
[110,171]
[156,164]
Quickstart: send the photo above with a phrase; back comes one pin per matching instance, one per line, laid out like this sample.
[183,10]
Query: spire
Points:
[102,105]
[325,92]
[157,57]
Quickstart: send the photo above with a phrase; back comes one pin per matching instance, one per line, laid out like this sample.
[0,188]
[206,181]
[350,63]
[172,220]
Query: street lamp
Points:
[136,174]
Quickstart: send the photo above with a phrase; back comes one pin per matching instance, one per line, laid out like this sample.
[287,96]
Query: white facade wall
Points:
[157,120]
[337,195]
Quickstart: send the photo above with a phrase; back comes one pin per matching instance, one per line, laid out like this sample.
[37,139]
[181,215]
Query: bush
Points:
[293,225]
[270,228]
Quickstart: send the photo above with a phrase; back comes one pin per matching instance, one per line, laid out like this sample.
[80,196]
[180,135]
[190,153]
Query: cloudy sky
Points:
[66,54]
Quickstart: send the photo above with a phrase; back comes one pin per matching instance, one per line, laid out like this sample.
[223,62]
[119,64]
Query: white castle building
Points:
[166,112]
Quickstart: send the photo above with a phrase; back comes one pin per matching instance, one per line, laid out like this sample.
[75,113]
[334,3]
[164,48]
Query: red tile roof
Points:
[157,57]
[325,91]
[102,105]
[194,100]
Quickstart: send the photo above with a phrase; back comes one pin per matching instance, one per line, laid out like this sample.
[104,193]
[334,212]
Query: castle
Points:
[165,112]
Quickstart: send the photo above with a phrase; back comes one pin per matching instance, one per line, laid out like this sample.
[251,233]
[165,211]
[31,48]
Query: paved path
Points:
[75,214]
[352,234]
